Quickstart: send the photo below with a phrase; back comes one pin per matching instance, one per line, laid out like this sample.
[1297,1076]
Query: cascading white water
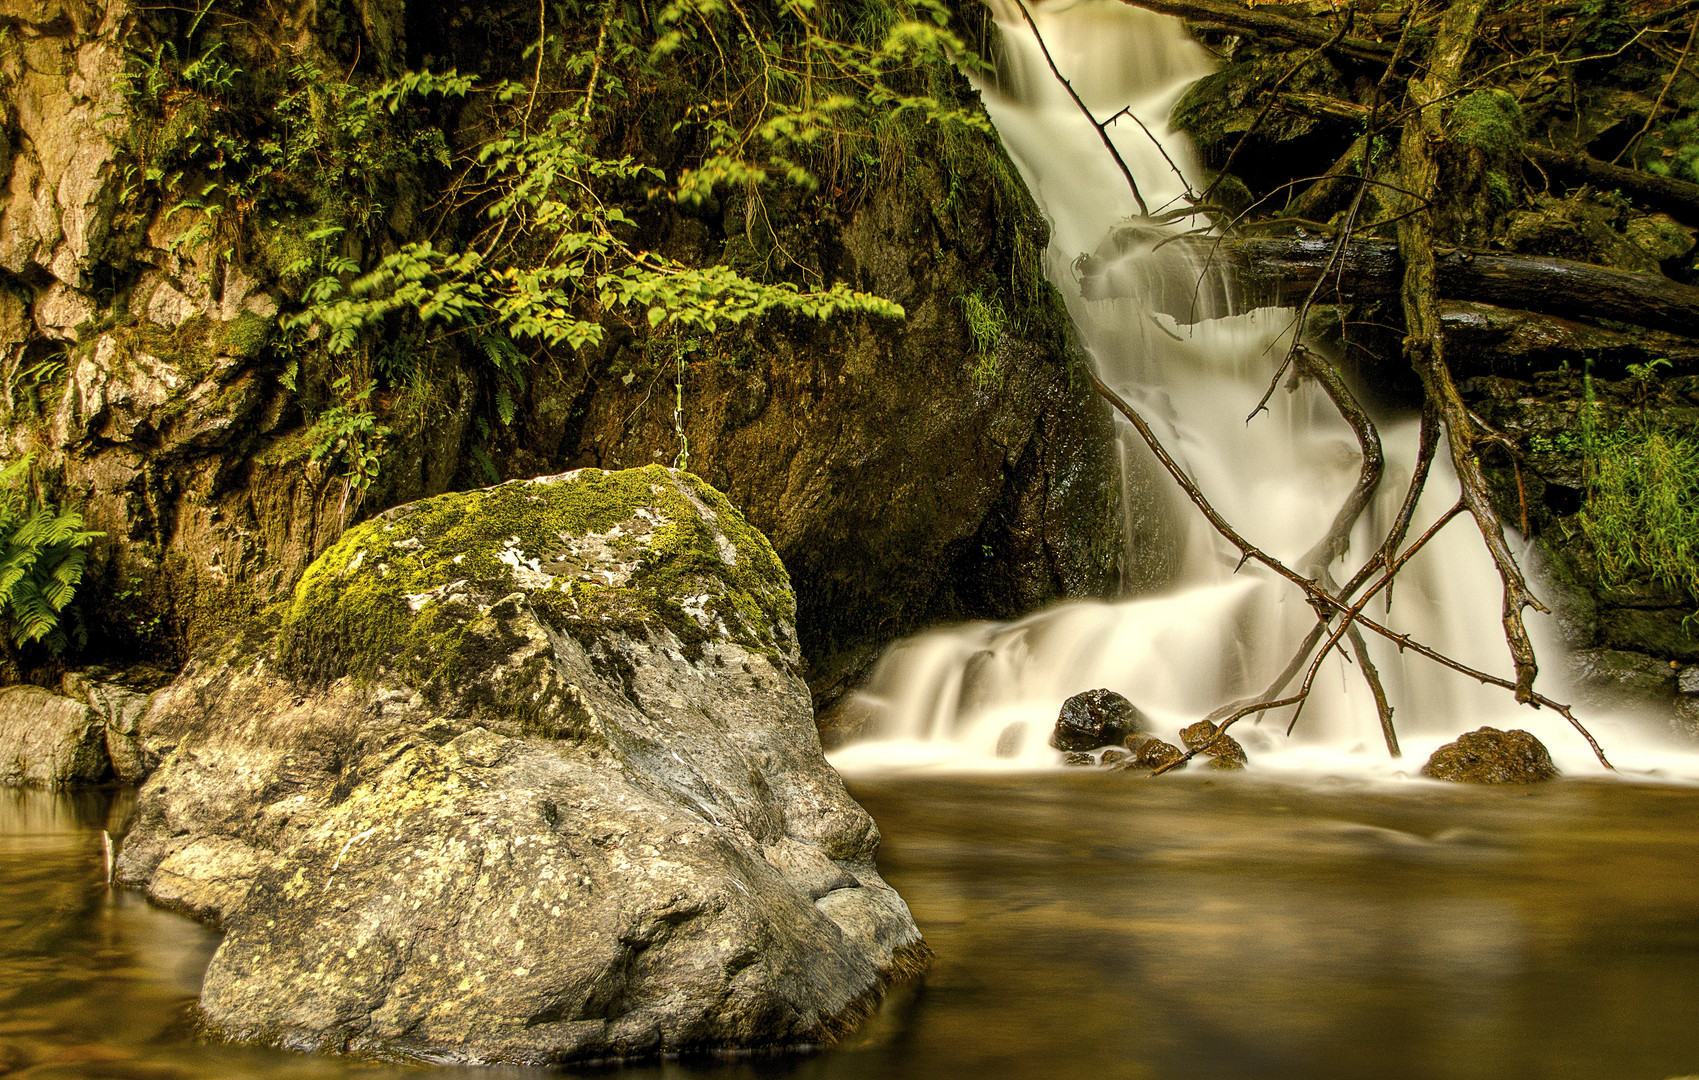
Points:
[1207,632]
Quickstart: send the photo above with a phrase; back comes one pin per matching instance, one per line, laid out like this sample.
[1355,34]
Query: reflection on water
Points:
[1086,924]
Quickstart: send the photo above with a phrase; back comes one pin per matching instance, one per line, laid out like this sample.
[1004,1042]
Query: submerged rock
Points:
[1096,718]
[1011,739]
[1490,756]
[1223,750]
[522,775]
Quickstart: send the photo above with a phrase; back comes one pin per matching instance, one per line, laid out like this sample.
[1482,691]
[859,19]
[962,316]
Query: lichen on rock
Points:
[524,774]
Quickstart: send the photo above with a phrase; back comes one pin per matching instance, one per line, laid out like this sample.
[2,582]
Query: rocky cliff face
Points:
[906,473]
[523,775]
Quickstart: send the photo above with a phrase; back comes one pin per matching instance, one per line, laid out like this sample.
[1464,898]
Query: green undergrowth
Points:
[1641,512]
[430,593]
[42,556]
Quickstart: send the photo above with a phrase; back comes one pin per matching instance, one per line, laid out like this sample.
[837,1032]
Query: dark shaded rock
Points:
[1685,721]
[1223,750]
[1096,718]
[1687,680]
[49,741]
[119,699]
[1112,755]
[522,775]
[1615,676]
[1663,632]
[1077,758]
[1490,756]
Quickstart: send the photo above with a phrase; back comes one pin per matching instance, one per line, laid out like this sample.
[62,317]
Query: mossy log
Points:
[1284,272]
[1675,197]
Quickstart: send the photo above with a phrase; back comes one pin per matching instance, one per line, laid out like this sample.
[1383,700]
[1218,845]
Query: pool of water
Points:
[1086,925]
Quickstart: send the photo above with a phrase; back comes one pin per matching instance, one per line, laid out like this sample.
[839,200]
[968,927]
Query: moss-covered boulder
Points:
[523,775]
[1490,756]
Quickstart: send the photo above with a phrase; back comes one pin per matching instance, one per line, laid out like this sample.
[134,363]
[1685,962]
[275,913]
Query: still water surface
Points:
[1086,925]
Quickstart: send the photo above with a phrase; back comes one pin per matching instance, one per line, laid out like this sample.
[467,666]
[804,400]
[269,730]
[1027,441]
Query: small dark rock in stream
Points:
[1491,756]
[1078,758]
[1223,750]
[1112,755]
[1096,718]
[1151,753]
[13,1058]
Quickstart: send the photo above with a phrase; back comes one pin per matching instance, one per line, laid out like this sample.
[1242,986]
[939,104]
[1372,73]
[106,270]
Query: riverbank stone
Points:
[1222,750]
[524,775]
[1096,718]
[1490,756]
[47,740]
[1150,753]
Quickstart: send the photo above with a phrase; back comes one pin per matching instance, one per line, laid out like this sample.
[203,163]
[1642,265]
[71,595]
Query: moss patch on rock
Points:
[1490,756]
[425,593]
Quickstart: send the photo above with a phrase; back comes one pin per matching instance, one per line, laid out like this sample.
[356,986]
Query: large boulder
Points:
[527,775]
[49,741]
[1490,756]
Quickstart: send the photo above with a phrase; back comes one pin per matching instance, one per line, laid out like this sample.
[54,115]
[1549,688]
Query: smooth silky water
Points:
[1086,925]
[1321,915]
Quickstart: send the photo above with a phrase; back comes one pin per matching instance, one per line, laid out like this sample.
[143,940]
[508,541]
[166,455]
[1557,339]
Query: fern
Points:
[42,556]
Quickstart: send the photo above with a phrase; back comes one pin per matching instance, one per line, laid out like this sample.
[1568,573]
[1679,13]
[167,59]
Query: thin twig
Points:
[1102,133]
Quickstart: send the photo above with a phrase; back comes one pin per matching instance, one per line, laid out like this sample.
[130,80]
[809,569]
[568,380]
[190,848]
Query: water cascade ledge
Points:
[521,775]
[1170,331]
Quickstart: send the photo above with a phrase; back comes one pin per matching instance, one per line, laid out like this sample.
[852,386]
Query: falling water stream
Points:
[1305,919]
[1200,630]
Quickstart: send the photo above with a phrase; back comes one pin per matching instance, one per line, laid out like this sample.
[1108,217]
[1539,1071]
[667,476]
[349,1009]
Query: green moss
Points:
[247,335]
[1490,120]
[427,592]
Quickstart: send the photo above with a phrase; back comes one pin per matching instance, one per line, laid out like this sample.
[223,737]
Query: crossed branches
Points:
[1340,609]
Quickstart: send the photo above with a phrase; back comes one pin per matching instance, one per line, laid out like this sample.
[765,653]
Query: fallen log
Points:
[1677,198]
[1483,339]
[1273,271]
[1266,24]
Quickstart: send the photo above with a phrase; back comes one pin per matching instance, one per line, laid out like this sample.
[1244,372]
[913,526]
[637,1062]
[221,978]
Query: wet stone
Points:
[1112,755]
[1077,758]
[1156,754]
[1490,756]
[1685,720]
[1223,750]
[1096,718]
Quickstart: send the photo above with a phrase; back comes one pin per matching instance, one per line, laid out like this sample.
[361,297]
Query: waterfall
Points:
[1201,630]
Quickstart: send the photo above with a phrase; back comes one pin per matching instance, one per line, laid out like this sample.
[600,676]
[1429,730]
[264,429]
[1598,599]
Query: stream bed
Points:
[1086,925]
